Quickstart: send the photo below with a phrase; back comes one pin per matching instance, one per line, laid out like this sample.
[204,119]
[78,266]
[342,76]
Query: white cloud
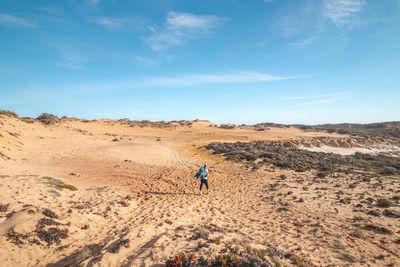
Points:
[342,11]
[15,22]
[180,27]
[315,96]
[110,23]
[320,99]
[304,42]
[203,79]
[122,23]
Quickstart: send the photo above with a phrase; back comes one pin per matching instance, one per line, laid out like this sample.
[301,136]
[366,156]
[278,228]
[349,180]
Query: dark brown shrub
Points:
[48,119]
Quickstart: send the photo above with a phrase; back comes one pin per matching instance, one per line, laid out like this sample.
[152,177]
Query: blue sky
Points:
[292,61]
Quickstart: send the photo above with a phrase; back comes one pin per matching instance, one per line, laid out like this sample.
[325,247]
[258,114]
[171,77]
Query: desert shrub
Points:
[347,257]
[384,203]
[377,229]
[27,120]
[388,170]
[396,198]
[322,174]
[352,186]
[48,119]
[225,260]
[357,218]
[68,186]
[181,260]
[366,179]
[8,113]
[357,233]
[227,126]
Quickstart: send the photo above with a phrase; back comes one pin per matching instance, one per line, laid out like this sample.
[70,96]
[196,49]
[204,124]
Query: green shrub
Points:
[181,260]
[225,260]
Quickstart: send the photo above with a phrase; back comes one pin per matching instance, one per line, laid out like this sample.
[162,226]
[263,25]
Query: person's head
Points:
[205,165]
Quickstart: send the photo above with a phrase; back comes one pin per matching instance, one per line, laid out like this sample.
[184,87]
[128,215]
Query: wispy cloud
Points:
[121,23]
[174,81]
[91,2]
[342,12]
[72,54]
[320,99]
[145,60]
[111,23]
[53,10]
[305,42]
[316,96]
[72,61]
[180,27]
[184,80]
[15,22]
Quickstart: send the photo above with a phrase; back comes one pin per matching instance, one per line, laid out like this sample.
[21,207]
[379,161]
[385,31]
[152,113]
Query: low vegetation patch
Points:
[377,229]
[8,113]
[384,203]
[181,260]
[58,184]
[68,186]
[389,130]
[267,153]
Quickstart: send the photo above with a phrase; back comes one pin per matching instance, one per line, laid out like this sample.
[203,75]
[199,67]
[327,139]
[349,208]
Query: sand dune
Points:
[137,201]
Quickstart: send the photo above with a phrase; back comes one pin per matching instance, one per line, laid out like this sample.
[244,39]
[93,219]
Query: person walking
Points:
[203,174]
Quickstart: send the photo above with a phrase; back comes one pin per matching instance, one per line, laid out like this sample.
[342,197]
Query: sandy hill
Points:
[123,193]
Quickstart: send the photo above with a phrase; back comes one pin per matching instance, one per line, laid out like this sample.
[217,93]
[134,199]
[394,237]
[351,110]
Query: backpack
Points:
[200,173]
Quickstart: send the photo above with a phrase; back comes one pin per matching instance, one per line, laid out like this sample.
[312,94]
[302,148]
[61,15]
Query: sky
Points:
[227,61]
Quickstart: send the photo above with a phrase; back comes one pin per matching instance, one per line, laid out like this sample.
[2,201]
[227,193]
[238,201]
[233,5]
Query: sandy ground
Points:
[137,202]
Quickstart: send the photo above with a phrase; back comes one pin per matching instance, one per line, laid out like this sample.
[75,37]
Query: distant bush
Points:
[377,229]
[48,119]
[322,174]
[227,126]
[384,203]
[8,113]
[352,185]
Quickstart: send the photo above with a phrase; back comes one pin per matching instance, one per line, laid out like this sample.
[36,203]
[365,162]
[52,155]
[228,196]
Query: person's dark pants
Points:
[203,181]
